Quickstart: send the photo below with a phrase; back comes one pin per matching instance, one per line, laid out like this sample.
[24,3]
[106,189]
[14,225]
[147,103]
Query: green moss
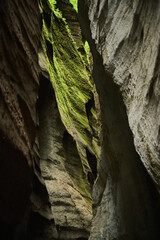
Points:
[74,3]
[87,50]
[70,78]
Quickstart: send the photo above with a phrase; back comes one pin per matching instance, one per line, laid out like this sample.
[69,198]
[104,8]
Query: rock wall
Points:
[56,170]
[68,130]
[50,170]
[124,39]
[70,216]
[60,167]
[19,80]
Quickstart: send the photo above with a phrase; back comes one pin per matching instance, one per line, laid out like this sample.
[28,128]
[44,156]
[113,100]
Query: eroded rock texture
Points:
[125,37]
[61,179]
[19,41]
[67,129]
[61,168]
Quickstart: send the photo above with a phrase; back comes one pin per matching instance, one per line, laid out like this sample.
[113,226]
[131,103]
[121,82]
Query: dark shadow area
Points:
[49,50]
[39,219]
[92,160]
[14,191]
[82,239]
[72,158]
[89,106]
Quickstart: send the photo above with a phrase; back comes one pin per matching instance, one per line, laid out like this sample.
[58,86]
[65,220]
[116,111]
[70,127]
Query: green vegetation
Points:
[74,3]
[70,78]
[87,50]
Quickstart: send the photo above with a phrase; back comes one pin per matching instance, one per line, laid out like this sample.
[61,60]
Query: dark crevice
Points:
[47,19]
[81,238]
[92,160]
[49,50]
[71,155]
[14,190]
[89,106]
[37,225]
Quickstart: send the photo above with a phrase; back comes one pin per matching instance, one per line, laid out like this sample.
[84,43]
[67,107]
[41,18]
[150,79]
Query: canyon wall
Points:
[124,39]
[19,80]
[49,129]
[68,131]
[48,123]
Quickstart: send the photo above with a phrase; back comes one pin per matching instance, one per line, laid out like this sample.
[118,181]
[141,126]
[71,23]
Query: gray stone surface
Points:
[60,167]
[127,35]
[124,39]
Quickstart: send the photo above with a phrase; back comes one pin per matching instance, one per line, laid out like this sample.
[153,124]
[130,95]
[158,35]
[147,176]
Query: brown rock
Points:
[19,40]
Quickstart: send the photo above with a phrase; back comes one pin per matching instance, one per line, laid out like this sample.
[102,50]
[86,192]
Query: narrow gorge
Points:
[79,120]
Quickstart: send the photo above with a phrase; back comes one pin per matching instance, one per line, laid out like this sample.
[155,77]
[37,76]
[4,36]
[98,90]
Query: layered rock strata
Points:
[61,179]
[70,216]
[68,129]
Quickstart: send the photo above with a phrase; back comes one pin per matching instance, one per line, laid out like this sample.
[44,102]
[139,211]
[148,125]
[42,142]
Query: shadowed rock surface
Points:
[124,39]
[61,168]
[19,80]
[56,209]
[68,129]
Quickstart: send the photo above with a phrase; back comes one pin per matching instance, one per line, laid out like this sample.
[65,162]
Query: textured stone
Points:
[19,79]
[70,77]
[60,203]
[124,39]
[67,166]
[60,167]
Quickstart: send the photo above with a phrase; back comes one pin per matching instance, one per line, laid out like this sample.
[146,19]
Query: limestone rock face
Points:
[19,80]
[67,126]
[68,131]
[125,37]
[60,167]
[128,39]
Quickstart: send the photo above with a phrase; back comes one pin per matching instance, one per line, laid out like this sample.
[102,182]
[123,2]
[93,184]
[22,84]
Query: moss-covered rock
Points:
[74,3]
[71,79]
